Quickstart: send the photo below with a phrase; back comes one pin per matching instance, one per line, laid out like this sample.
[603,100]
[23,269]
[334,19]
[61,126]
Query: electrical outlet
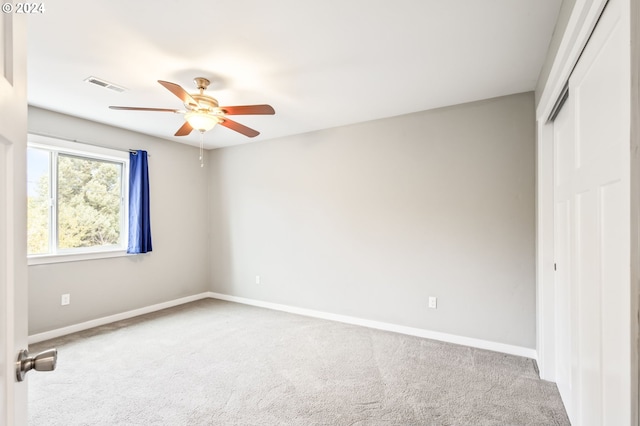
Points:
[65,299]
[433,302]
[257,279]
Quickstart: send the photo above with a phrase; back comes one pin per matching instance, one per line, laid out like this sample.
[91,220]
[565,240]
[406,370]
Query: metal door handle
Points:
[44,361]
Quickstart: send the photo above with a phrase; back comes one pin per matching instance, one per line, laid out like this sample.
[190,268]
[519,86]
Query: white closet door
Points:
[592,211]
[563,153]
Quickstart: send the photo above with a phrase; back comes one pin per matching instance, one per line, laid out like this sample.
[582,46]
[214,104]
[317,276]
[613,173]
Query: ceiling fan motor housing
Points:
[205,103]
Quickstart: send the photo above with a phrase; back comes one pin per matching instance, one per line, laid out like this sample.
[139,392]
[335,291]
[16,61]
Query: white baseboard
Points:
[40,337]
[411,331]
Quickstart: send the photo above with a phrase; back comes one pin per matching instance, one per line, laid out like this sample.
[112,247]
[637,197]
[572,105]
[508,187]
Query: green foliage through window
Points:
[82,195]
[39,201]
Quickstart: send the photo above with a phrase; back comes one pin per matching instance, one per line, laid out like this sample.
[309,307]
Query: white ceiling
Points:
[320,64]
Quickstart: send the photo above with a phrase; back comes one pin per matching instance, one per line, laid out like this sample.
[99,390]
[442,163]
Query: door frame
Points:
[582,21]
[635,198]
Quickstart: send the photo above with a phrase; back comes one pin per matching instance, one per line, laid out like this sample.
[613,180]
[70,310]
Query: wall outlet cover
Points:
[433,302]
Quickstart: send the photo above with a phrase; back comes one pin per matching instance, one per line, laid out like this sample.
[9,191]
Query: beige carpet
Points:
[220,363]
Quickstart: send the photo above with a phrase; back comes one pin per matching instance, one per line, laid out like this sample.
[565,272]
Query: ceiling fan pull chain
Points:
[201,149]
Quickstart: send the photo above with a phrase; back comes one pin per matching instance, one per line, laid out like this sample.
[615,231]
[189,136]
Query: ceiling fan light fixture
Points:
[201,121]
[203,112]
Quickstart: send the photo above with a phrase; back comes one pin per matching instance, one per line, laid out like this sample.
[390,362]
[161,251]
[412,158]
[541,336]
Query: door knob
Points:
[44,361]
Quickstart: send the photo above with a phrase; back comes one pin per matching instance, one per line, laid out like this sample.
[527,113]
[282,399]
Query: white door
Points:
[13,267]
[592,211]
[563,153]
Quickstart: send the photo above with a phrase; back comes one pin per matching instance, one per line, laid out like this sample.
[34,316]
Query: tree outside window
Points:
[75,202]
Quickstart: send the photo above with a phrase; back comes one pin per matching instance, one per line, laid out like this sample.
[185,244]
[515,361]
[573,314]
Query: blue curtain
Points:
[139,215]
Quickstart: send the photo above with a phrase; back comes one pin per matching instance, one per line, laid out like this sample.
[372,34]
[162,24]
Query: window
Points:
[77,200]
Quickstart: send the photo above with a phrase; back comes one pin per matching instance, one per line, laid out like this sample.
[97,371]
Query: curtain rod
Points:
[133,151]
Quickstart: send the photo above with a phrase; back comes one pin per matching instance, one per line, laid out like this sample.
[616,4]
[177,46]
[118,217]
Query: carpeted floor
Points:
[219,363]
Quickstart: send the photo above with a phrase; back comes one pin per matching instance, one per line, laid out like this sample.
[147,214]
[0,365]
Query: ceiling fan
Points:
[203,112]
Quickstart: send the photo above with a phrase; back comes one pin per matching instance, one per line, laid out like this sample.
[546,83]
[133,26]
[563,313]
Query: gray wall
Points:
[177,267]
[370,220]
[561,25]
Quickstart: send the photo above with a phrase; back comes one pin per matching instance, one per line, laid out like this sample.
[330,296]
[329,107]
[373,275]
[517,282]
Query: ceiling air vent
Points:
[102,83]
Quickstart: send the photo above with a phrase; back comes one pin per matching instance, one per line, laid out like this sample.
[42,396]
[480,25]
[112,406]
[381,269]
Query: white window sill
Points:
[75,257]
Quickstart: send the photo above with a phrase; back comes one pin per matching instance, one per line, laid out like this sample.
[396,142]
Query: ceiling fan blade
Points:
[248,109]
[179,92]
[184,130]
[144,109]
[240,128]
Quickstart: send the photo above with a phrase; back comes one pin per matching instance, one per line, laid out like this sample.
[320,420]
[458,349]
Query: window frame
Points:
[56,146]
